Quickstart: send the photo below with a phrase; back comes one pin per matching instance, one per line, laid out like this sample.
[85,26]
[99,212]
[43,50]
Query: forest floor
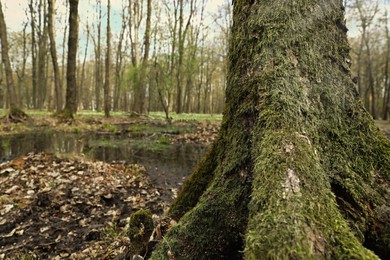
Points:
[75,208]
[384,126]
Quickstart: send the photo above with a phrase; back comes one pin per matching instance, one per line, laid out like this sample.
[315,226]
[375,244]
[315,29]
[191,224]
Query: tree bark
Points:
[15,112]
[42,54]
[386,96]
[84,97]
[6,61]
[299,171]
[107,101]
[53,51]
[119,64]
[98,61]
[33,56]
[181,38]
[71,84]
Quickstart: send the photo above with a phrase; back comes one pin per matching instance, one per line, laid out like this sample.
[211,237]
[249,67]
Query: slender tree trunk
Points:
[182,37]
[6,61]
[107,98]
[15,112]
[82,87]
[179,87]
[42,54]
[22,74]
[53,51]
[299,171]
[63,70]
[386,97]
[98,63]
[118,64]
[71,84]
[371,80]
[33,56]
[140,93]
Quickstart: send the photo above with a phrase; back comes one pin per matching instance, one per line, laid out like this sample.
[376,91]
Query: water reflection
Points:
[167,164]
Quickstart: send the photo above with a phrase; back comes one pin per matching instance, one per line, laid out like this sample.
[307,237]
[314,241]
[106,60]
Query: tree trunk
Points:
[15,112]
[33,56]
[107,101]
[182,37]
[42,55]
[84,97]
[98,61]
[53,51]
[299,171]
[22,74]
[71,84]
[386,96]
[119,64]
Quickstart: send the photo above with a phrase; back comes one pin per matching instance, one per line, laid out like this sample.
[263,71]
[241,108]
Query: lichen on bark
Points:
[300,170]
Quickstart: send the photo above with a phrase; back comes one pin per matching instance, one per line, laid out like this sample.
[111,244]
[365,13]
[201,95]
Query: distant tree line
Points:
[167,55]
[371,54]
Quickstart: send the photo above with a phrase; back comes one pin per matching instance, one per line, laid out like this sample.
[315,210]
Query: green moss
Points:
[296,148]
[110,127]
[213,228]
[140,229]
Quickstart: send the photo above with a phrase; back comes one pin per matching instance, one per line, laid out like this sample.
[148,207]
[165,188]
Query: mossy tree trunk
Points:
[299,170]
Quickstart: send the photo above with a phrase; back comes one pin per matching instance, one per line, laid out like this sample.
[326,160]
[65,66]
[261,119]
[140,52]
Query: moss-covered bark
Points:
[299,170]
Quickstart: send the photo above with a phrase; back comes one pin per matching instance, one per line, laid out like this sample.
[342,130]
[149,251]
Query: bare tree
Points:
[181,38]
[366,15]
[107,101]
[33,55]
[119,63]
[15,113]
[71,83]
[386,96]
[53,51]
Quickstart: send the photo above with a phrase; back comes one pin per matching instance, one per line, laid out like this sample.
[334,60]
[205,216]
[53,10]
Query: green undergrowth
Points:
[188,117]
[151,115]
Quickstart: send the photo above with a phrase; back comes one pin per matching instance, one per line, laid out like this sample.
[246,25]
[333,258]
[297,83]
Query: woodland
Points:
[161,56]
[186,129]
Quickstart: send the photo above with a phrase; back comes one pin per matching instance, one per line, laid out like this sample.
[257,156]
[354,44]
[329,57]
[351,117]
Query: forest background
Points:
[164,55]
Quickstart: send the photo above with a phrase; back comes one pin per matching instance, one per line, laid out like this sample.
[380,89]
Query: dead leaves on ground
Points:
[60,208]
[205,134]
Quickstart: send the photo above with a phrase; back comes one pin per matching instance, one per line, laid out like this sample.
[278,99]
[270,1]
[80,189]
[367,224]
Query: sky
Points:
[15,13]
[14,10]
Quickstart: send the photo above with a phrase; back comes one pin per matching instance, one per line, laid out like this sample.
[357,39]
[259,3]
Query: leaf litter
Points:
[53,208]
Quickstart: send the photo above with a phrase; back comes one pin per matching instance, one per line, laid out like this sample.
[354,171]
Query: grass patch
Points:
[149,145]
[165,129]
[192,117]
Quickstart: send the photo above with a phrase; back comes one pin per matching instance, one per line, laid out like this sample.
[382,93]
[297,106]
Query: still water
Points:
[167,164]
